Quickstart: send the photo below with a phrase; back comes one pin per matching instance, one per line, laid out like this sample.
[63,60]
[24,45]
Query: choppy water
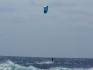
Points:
[36,63]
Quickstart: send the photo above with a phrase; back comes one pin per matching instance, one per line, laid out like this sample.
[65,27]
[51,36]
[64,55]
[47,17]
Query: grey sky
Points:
[65,31]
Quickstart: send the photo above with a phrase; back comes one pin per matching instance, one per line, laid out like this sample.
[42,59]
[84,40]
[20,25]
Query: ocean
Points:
[42,63]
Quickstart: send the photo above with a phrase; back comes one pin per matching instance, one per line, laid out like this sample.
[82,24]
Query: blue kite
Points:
[45,9]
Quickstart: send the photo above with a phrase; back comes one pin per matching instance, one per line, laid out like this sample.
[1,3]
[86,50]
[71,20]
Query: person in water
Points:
[52,59]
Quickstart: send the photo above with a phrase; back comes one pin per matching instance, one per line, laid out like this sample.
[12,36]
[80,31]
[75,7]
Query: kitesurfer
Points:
[52,59]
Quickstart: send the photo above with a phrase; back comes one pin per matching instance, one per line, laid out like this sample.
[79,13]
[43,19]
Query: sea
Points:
[42,63]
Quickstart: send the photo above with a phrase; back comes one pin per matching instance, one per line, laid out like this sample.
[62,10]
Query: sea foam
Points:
[9,65]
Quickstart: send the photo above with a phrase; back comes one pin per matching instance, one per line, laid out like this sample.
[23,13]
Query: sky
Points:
[65,31]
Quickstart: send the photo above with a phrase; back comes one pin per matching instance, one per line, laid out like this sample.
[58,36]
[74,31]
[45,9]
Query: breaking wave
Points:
[45,62]
[9,65]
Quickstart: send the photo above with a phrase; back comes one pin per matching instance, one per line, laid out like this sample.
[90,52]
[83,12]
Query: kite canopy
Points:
[45,9]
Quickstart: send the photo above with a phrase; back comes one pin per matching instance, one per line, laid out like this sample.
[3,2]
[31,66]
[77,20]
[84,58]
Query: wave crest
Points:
[9,65]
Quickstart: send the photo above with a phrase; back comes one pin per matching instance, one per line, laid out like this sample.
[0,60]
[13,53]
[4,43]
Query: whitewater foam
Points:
[45,62]
[9,65]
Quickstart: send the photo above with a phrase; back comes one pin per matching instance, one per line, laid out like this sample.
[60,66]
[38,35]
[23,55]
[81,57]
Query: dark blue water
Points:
[40,63]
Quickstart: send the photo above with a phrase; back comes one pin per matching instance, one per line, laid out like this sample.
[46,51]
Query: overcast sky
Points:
[65,31]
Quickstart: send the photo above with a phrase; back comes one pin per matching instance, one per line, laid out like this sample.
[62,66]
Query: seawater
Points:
[37,63]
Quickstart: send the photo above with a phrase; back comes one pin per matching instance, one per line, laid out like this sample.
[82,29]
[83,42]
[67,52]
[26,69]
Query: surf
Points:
[9,65]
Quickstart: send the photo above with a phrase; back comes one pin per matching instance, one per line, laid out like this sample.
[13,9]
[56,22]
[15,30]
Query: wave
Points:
[9,65]
[61,68]
[45,62]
